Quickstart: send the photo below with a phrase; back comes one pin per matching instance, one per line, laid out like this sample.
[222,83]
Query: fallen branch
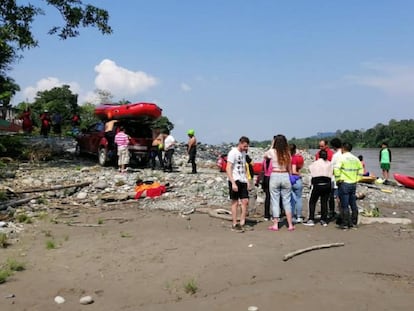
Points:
[82,184]
[84,225]
[308,249]
[16,202]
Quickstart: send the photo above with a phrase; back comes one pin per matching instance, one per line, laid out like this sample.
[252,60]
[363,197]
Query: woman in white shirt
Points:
[279,184]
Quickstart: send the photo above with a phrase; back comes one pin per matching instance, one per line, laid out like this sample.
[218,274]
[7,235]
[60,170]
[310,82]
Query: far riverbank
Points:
[402,160]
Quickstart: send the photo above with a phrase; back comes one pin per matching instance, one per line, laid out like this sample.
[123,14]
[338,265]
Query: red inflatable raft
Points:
[128,111]
[405,180]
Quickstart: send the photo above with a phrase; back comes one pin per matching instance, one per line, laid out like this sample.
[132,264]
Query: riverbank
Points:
[168,254]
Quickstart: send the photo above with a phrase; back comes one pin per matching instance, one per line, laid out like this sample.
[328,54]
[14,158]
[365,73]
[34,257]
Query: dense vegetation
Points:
[396,134]
[16,32]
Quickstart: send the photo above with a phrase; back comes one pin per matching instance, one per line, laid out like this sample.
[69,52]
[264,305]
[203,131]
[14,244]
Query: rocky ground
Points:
[96,186]
[77,200]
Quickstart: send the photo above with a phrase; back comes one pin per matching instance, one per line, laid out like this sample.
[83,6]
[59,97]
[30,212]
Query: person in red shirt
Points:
[45,123]
[27,121]
[323,145]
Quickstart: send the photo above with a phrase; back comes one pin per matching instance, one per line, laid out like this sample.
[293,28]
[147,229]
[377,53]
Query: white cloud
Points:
[45,84]
[185,87]
[120,81]
[389,78]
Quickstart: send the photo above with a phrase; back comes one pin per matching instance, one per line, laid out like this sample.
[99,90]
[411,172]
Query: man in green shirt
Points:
[385,161]
[348,171]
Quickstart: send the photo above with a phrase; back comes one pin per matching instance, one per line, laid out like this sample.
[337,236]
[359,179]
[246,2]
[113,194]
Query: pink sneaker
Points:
[273,228]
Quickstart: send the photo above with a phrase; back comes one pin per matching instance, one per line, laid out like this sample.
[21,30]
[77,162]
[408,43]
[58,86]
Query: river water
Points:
[402,160]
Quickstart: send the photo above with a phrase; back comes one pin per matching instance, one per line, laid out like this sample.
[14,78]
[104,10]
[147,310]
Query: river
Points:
[402,160]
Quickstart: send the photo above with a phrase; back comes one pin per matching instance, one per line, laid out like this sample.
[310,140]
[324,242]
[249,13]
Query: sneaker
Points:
[266,219]
[294,220]
[310,223]
[323,223]
[237,228]
[343,227]
[299,220]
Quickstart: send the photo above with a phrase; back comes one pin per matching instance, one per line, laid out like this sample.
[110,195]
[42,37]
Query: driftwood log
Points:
[312,248]
[82,184]
[13,203]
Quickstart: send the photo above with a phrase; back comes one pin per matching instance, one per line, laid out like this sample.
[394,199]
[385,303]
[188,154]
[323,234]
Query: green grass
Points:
[41,200]
[3,240]
[100,221]
[191,287]
[3,196]
[14,265]
[24,218]
[125,235]
[50,244]
[9,268]
[4,274]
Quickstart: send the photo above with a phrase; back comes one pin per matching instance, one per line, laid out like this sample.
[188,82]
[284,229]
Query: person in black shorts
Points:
[238,183]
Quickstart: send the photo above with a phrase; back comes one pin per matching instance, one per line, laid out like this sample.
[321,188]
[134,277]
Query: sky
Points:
[238,67]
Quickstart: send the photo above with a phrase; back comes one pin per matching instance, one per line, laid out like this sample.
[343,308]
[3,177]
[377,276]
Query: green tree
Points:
[58,99]
[7,90]
[87,114]
[162,123]
[16,21]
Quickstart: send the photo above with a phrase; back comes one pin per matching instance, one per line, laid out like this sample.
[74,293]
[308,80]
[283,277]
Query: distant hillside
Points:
[324,134]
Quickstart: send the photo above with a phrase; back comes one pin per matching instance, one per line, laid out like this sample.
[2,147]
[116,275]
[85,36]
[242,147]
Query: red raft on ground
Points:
[405,180]
[127,111]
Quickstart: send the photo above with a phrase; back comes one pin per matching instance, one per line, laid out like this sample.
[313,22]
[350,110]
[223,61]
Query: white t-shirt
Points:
[169,142]
[238,161]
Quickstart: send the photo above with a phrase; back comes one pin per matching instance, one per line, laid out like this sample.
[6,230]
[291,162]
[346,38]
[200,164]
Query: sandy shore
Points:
[138,259]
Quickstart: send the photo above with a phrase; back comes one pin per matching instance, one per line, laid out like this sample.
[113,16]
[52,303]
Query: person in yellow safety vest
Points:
[348,171]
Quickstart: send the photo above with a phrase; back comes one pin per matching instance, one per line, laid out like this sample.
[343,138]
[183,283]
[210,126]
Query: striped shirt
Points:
[122,139]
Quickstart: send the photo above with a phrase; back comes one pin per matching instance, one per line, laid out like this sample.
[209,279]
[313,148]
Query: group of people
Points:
[281,170]
[334,176]
[47,122]
[163,148]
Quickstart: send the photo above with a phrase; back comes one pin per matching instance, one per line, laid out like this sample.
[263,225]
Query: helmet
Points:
[190,132]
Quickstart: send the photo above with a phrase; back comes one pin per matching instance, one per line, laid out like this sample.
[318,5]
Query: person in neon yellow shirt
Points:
[348,171]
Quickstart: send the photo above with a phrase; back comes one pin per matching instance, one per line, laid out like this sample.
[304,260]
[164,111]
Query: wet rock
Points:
[82,195]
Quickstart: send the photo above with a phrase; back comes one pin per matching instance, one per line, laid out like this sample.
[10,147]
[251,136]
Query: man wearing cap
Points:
[192,150]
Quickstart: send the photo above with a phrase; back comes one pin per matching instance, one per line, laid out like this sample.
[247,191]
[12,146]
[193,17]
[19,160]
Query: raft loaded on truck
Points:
[98,138]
